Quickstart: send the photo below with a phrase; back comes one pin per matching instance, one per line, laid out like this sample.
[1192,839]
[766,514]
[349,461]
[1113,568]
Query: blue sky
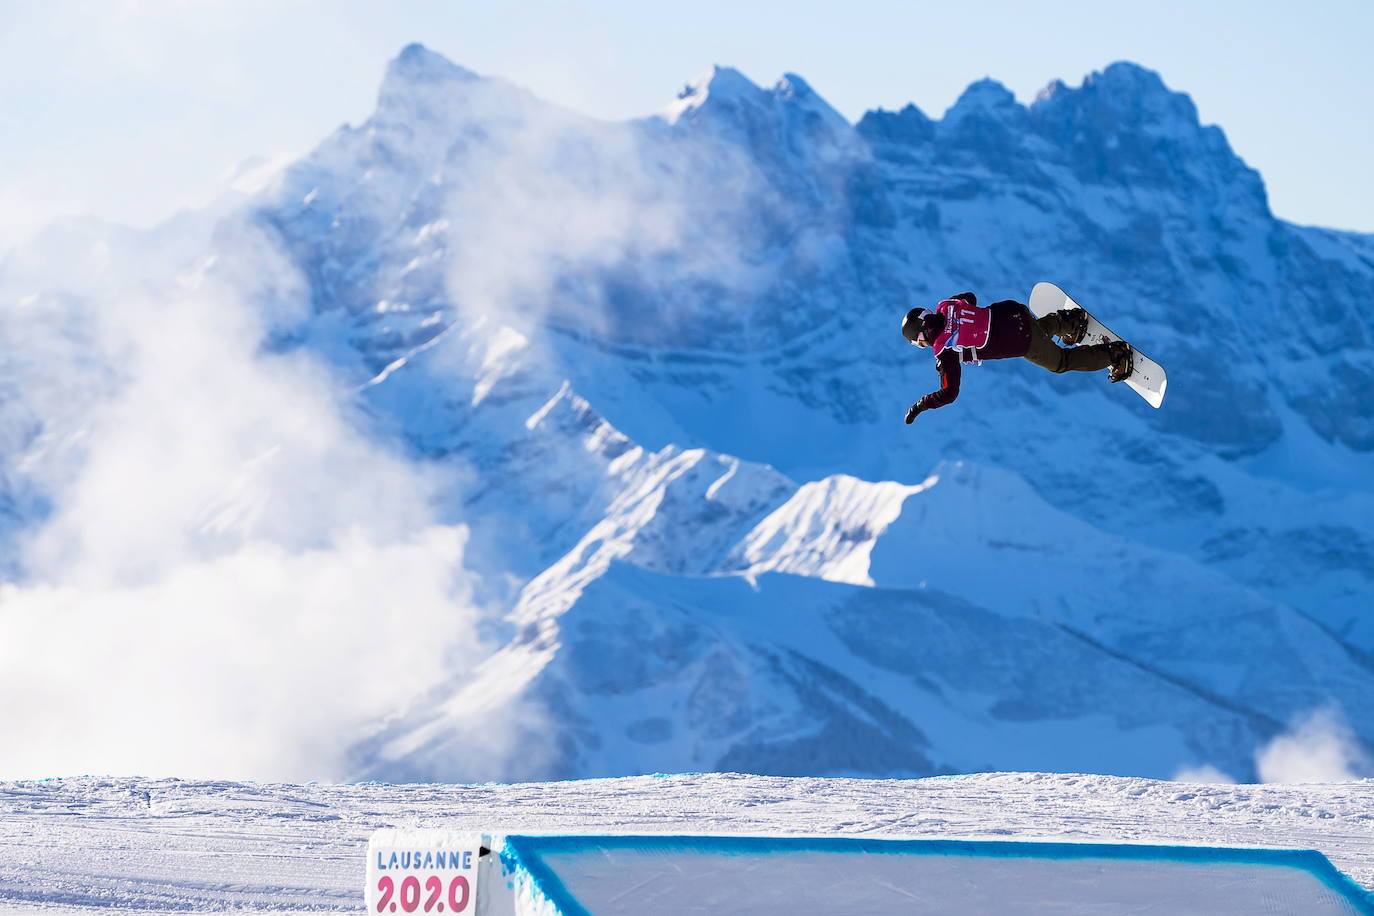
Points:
[129,109]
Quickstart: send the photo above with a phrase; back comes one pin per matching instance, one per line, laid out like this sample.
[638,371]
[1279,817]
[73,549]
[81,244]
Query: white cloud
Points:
[544,199]
[27,208]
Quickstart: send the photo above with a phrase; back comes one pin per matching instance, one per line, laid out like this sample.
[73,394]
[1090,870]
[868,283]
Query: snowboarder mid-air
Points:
[960,331]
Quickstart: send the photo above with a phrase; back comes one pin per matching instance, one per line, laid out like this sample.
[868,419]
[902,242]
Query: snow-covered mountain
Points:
[654,367]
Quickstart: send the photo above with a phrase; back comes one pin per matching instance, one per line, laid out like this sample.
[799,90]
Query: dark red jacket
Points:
[1009,335]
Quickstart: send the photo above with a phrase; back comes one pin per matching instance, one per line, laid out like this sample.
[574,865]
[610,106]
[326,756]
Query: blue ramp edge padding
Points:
[525,853]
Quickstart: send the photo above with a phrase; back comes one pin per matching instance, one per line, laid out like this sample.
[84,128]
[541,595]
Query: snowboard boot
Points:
[1073,324]
[1123,360]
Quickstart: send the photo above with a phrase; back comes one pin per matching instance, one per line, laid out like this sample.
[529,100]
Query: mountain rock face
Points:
[659,364]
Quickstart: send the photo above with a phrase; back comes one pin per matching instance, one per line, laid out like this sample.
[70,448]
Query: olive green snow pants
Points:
[1045,352]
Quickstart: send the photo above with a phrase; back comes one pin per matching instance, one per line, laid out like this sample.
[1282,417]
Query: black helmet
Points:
[922,326]
[911,324]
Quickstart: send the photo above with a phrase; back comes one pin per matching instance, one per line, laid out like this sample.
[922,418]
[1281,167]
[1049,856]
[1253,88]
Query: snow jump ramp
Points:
[441,872]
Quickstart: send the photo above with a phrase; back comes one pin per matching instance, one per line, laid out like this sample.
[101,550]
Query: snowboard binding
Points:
[1075,324]
[1123,361]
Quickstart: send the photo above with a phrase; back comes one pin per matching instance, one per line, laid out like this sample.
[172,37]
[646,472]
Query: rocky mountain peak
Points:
[417,65]
[719,88]
[1124,124]
[985,97]
[420,83]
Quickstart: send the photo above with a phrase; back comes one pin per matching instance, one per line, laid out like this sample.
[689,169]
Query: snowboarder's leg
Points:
[1042,350]
[1087,359]
[1068,325]
[1049,355]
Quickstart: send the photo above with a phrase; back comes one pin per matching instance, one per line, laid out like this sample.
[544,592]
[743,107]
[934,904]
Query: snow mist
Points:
[231,579]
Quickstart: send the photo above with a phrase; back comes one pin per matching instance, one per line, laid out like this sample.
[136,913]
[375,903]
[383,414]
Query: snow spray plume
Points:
[1319,747]
[230,579]
[1203,773]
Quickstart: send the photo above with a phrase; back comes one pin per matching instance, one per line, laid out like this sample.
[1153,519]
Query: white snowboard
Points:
[1147,378]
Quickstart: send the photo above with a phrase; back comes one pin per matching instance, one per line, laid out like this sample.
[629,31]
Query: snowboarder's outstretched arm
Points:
[950,369]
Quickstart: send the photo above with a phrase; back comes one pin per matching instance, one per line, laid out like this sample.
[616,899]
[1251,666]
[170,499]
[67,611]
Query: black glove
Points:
[913,411]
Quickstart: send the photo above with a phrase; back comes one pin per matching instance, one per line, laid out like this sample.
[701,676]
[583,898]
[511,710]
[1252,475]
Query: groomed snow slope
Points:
[77,845]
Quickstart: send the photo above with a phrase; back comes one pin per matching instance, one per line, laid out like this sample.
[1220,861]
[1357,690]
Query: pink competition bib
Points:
[966,326]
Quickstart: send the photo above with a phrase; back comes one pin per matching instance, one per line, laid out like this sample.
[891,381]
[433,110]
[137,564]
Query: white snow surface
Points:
[91,844]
